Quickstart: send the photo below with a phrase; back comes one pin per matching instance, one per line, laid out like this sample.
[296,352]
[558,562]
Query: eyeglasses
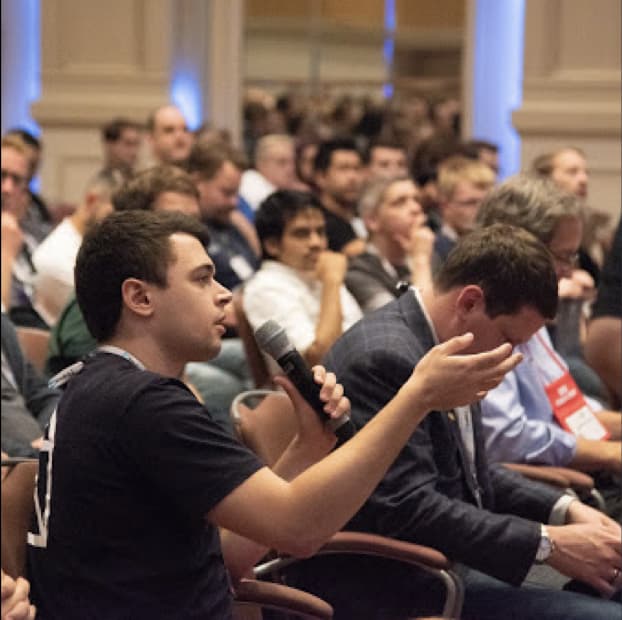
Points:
[20,181]
[567,259]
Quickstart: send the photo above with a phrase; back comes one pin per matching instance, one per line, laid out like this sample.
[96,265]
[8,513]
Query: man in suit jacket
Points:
[27,401]
[499,284]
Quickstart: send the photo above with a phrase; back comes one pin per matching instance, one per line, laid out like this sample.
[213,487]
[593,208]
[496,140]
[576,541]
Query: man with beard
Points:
[216,169]
[339,177]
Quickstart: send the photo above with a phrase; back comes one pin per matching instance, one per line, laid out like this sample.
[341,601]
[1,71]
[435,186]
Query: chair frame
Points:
[361,543]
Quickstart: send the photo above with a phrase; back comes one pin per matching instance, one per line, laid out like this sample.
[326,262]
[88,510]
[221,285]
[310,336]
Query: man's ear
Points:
[470,298]
[272,246]
[136,297]
[371,222]
[91,200]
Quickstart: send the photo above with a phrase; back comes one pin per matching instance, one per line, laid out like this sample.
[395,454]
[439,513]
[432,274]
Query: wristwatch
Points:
[546,546]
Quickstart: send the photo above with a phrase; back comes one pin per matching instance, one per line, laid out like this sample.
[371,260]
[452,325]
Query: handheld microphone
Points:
[272,338]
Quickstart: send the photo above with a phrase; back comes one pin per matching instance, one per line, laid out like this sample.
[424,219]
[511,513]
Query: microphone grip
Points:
[299,374]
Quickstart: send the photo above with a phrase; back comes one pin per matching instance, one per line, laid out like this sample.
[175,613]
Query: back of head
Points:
[207,158]
[511,266]
[131,244]
[323,158]
[532,203]
[142,191]
[278,209]
[429,155]
[457,168]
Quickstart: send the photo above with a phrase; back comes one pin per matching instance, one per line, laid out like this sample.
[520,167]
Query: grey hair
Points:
[531,202]
[266,143]
[374,192]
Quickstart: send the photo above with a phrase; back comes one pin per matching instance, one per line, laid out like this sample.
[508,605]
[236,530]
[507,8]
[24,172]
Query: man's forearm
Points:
[612,421]
[329,324]
[594,455]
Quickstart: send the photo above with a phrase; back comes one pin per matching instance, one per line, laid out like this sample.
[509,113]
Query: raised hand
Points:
[445,379]
[331,267]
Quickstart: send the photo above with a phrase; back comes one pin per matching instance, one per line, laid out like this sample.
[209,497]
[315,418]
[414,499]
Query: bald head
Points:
[168,135]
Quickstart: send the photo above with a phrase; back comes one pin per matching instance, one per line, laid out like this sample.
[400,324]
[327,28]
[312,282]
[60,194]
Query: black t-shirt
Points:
[136,462]
[339,232]
[609,299]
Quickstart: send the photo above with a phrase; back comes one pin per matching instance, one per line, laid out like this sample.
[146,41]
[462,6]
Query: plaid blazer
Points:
[428,496]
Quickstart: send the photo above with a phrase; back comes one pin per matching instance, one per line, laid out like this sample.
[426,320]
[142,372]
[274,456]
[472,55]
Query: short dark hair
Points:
[381,143]
[131,244]
[142,190]
[471,148]
[207,158]
[512,267]
[112,130]
[324,156]
[278,209]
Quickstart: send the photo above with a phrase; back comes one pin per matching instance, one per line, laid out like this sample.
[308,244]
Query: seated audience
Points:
[55,257]
[527,418]
[399,247]
[160,188]
[462,185]
[274,169]
[18,243]
[499,284]
[567,168]
[27,401]
[300,284]
[155,475]
[168,136]
[604,331]
[121,141]
[339,179]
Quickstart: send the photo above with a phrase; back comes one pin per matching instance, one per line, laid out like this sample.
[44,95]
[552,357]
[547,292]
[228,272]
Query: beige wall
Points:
[103,59]
[571,90]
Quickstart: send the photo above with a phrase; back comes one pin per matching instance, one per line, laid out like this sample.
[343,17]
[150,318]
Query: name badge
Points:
[572,411]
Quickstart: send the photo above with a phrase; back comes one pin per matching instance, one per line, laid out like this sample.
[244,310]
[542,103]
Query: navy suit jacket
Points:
[428,496]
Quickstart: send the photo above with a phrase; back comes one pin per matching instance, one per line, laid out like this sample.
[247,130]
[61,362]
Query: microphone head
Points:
[271,337]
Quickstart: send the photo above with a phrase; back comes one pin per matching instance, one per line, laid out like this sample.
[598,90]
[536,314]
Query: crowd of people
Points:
[462,322]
